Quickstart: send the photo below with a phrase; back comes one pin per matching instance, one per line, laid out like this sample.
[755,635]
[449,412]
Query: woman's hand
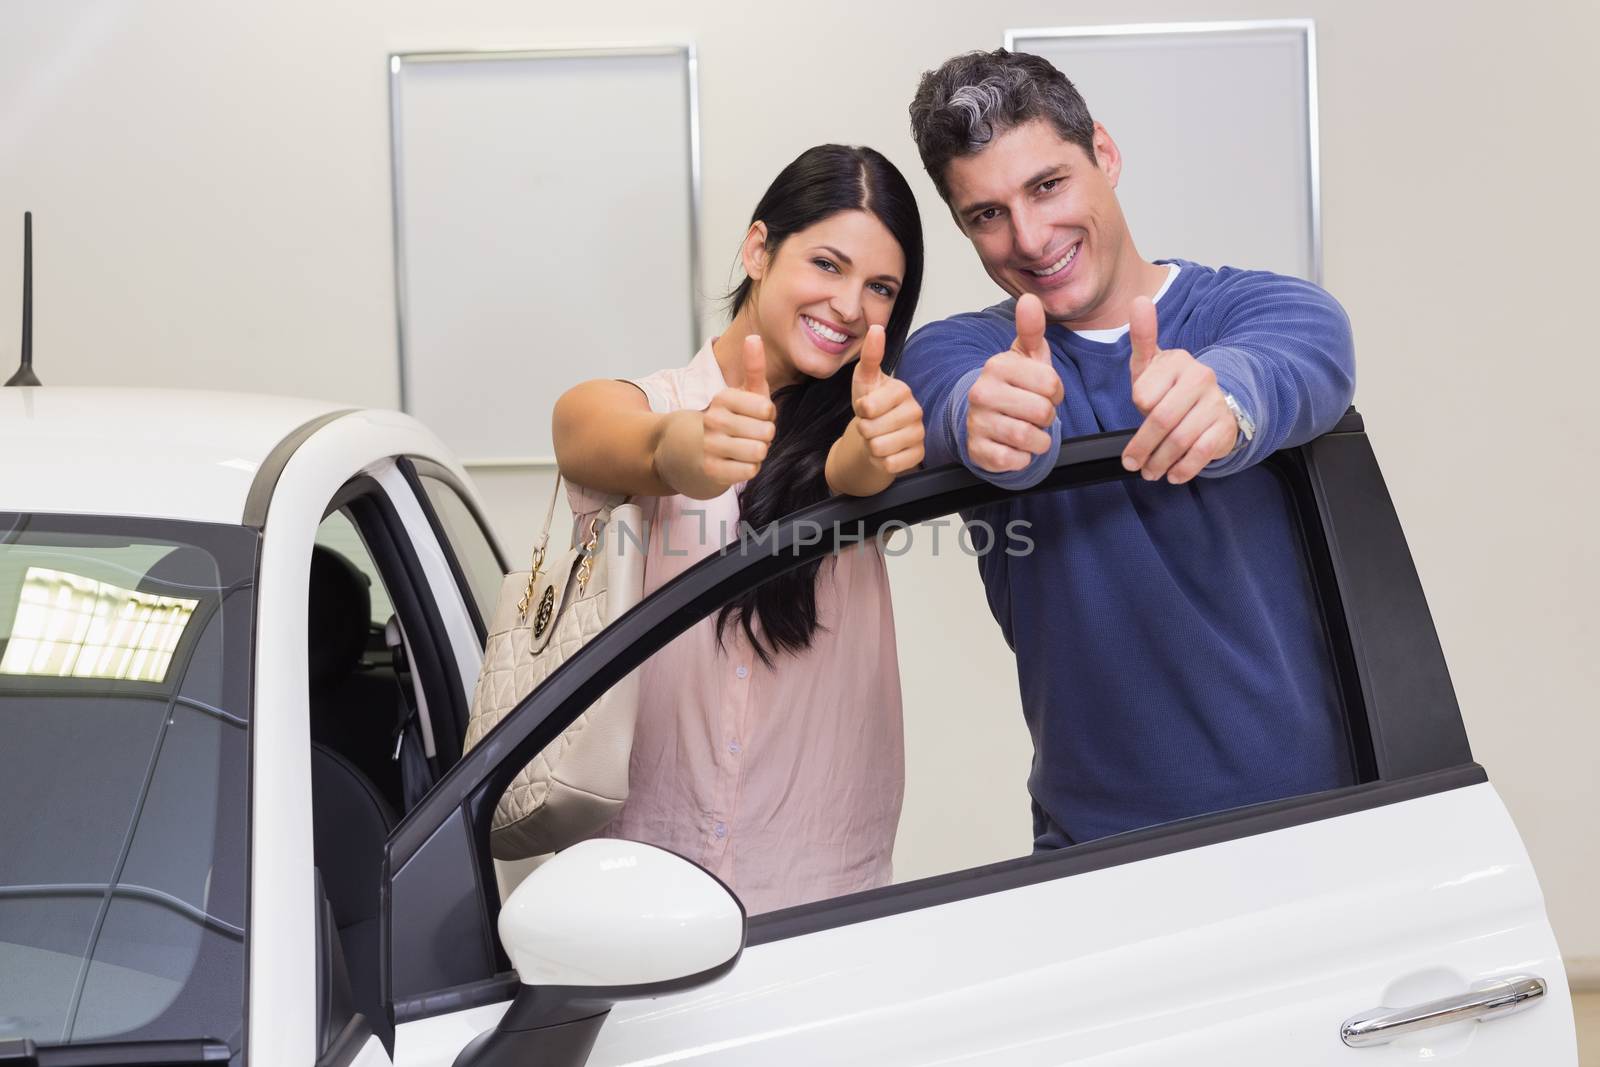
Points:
[703,454]
[885,437]
[888,417]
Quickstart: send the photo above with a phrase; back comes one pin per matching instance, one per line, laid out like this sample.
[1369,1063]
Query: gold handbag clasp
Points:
[533,580]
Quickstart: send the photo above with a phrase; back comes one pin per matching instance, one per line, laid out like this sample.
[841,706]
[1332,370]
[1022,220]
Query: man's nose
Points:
[1030,235]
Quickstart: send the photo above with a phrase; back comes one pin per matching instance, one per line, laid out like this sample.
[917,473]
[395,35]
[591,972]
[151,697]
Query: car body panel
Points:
[1248,952]
[158,453]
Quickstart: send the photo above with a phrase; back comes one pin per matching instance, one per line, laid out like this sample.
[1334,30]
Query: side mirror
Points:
[603,921]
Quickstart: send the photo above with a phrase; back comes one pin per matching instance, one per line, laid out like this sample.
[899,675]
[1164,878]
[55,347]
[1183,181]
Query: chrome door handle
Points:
[1504,996]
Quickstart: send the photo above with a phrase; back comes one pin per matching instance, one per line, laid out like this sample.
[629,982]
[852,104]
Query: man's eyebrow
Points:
[1035,179]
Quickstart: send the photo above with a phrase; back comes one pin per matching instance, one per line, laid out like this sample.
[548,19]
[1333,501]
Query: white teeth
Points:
[1072,254]
[822,331]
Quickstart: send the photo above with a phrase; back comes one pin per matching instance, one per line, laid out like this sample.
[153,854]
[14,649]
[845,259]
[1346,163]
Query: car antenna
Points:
[25,375]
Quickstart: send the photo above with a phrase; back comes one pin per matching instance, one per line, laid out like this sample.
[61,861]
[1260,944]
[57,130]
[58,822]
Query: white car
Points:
[233,835]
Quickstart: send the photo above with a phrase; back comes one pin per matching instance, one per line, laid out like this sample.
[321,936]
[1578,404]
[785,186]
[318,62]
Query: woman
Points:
[768,746]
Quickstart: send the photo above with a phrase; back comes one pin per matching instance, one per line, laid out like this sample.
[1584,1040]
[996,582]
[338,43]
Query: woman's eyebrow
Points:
[846,260]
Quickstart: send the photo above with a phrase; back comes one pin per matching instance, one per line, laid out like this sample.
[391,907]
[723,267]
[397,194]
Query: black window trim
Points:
[1364,574]
[414,469]
[387,540]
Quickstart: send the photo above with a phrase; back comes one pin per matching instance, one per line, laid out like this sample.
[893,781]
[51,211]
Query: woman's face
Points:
[827,283]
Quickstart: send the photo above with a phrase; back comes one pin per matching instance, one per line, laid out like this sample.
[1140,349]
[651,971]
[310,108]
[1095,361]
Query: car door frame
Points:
[1405,723]
[291,492]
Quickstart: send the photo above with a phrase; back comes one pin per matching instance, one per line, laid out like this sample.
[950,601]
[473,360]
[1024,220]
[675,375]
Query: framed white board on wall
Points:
[1217,126]
[546,216]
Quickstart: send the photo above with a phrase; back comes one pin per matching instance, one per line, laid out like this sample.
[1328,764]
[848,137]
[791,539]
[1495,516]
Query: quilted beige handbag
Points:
[543,615]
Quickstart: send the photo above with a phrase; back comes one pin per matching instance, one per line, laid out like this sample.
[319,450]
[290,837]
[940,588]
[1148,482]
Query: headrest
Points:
[341,613]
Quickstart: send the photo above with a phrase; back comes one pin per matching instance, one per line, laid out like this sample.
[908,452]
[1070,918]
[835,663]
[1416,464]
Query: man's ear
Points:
[1106,155]
[753,253]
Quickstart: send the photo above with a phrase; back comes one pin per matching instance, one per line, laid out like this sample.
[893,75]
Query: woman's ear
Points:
[753,253]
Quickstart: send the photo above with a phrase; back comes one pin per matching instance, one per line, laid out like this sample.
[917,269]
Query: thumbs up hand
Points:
[888,418]
[1012,405]
[1187,423]
[740,424]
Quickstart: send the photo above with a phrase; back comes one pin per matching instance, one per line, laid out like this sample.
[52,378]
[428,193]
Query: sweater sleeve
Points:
[940,363]
[1285,352]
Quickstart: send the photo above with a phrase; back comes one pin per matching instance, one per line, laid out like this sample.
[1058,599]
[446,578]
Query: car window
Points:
[338,534]
[124,701]
[907,742]
[468,541]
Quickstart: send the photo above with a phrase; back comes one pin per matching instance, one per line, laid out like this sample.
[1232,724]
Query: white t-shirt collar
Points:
[1114,333]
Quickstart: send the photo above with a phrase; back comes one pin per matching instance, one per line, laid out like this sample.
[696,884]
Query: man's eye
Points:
[1049,184]
[826,264]
[988,214]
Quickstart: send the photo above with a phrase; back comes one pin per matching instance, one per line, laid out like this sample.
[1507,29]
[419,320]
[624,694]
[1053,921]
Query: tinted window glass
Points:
[124,701]
[469,543]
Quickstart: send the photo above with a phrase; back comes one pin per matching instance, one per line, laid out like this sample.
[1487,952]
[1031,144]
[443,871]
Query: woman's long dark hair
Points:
[813,412]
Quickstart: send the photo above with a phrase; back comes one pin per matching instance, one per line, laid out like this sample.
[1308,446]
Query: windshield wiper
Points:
[25,1053]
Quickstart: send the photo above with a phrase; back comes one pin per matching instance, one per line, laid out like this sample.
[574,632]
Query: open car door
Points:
[1395,920]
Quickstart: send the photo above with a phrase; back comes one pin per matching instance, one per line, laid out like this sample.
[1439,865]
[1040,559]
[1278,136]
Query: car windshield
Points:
[124,704]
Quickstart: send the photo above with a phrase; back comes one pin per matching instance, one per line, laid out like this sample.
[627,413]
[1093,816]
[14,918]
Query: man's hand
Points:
[1012,405]
[1187,423]
[888,419]
[740,423]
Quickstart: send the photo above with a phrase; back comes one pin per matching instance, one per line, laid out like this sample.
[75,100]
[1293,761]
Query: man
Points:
[1169,646]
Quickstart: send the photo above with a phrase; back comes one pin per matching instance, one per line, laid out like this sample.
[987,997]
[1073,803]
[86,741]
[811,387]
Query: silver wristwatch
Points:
[1247,425]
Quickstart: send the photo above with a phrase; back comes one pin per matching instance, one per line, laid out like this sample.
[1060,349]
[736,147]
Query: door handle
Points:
[1502,996]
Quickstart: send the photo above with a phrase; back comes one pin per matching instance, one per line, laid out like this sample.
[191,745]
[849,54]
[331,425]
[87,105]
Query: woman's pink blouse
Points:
[785,782]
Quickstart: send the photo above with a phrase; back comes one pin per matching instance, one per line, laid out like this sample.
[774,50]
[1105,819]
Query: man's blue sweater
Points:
[1169,645]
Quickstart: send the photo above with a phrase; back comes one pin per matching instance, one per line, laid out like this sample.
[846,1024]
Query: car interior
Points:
[376,746]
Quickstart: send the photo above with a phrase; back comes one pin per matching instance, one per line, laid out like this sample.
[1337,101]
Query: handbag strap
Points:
[539,549]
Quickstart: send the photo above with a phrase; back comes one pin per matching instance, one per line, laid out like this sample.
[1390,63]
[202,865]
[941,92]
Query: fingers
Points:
[1179,417]
[739,402]
[755,366]
[1213,444]
[1030,329]
[1018,388]
[1178,444]
[1009,434]
[997,458]
[1142,335]
[869,368]
[738,426]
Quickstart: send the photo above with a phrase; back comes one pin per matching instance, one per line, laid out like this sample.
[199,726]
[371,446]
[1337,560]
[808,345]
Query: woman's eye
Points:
[826,264]
[883,290]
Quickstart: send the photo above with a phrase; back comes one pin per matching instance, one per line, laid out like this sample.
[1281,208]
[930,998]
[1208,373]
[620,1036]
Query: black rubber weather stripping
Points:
[271,469]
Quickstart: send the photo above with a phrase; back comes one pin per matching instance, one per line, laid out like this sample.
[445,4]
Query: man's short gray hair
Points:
[972,98]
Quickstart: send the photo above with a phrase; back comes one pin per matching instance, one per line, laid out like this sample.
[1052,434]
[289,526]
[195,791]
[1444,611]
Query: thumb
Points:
[1142,335]
[755,366]
[1030,329]
[869,370]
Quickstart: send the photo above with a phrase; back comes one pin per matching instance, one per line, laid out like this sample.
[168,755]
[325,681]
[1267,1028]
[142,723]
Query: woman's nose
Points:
[846,303]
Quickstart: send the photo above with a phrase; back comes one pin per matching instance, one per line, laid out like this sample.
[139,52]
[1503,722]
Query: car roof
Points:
[162,453]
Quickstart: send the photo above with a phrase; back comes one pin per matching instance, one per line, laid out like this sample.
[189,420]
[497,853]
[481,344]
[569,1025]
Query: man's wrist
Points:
[1245,425]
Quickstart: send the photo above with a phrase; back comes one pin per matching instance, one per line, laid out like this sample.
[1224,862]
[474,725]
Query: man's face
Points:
[1044,218]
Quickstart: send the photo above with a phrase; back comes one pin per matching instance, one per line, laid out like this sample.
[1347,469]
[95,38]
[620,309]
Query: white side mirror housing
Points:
[622,915]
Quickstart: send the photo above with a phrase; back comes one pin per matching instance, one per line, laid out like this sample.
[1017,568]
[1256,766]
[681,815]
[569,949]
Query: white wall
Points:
[210,182]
